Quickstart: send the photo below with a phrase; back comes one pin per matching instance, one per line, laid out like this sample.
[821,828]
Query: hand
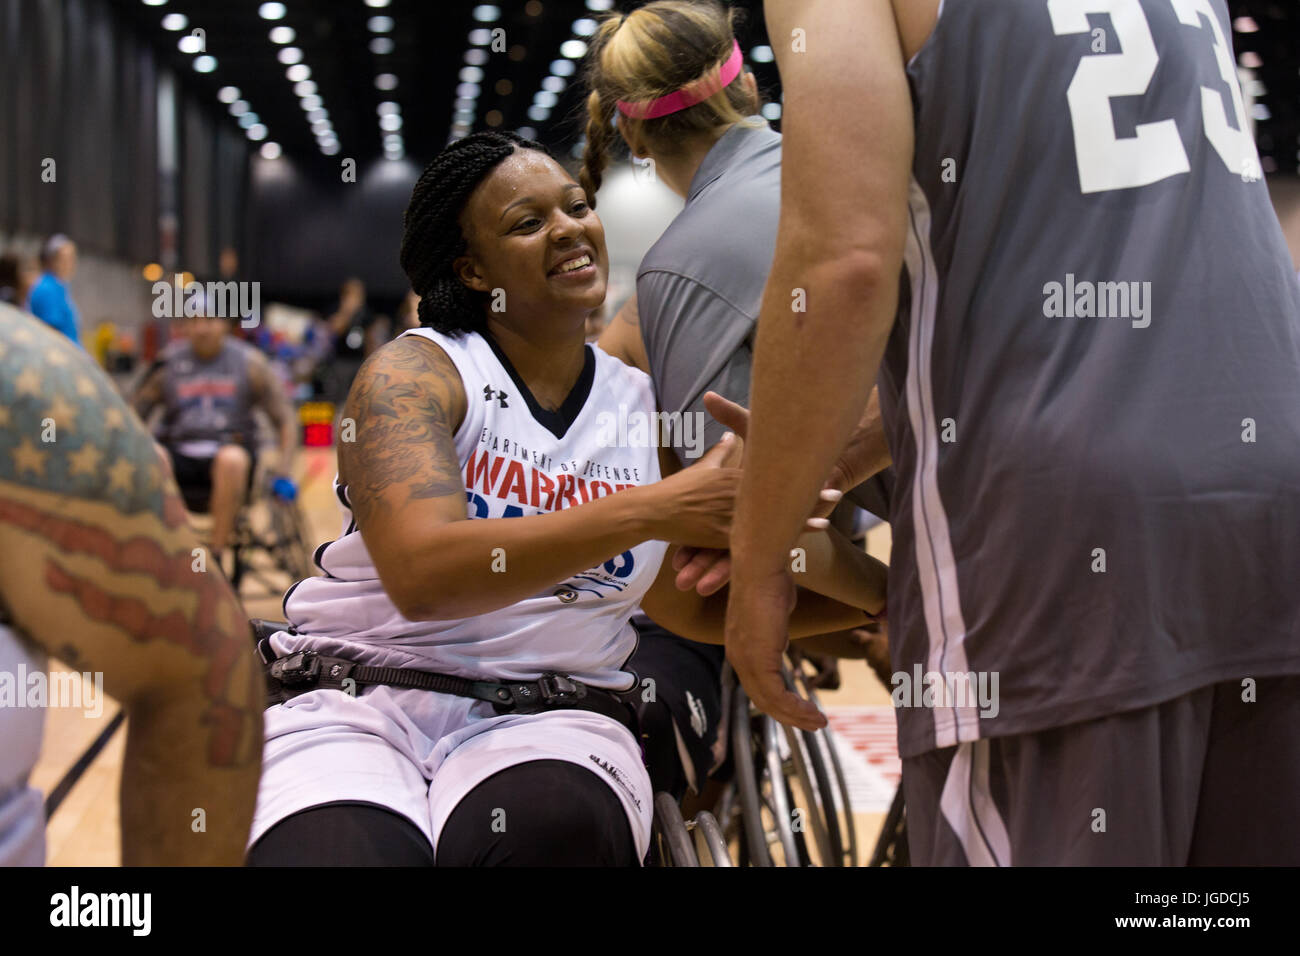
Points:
[708,569]
[694,506]
[757,632]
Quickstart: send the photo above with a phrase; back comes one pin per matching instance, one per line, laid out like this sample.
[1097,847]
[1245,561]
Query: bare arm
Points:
[270,396]
[843,213]
[98,567]
[408,494]
[622,337]
[703,618]
[148,394]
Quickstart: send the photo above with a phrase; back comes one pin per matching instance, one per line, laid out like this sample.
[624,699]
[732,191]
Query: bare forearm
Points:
[805,394]
[476,566]
[831,564]
[813,614]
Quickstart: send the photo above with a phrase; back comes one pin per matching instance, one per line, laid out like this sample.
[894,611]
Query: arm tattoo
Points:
[406,404]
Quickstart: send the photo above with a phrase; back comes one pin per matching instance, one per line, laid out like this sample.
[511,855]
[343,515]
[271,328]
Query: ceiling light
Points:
[205,64]
[554,84]
[1251,60]
[190,44]
[386,81]
[270,150]
[584,27]
[305,88]
[228,94]
[471,74]
[248,120]
[545,98]
[464,116]
[154,3]
[476,57]
[527,132]
[271,11]
[393,139]
[468,90]
[175,21]
[465,103]
[289,55]
[390,123]
[600,5]
[318,114]
[329,149]
[538,114]
[762,54]
[282,35]
[388,106]
[772,111]
[573,49]
[562,67]
[239,108]
[1245,25]
[299,71]
[310,102]
[486,13]
[480,37]
[377,4]
[380,24]
[381,46]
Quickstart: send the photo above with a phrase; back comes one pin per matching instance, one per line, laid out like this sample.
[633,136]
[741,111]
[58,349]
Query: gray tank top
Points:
[1093,393]
[209,403]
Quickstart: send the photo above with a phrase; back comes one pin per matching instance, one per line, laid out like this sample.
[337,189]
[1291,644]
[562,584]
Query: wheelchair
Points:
[786,801]
[269,538]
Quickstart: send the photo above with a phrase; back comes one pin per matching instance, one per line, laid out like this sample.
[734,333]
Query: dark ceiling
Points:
[430,40]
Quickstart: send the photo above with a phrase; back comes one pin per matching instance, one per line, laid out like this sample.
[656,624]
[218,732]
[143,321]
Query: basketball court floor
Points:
[83,830]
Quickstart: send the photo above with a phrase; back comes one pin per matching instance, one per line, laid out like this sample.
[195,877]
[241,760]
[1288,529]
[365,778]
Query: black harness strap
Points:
[305,671]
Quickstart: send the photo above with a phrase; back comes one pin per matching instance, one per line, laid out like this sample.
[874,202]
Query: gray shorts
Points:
[1204,779]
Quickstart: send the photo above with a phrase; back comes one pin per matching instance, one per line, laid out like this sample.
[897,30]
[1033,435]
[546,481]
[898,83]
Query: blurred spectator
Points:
[357,332]
[49,300]
[408,314]
[17,277]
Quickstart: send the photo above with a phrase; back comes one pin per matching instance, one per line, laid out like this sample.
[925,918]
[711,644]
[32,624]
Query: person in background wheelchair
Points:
[208,386]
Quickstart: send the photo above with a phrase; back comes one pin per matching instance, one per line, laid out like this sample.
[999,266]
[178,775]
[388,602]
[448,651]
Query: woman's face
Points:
[532,235]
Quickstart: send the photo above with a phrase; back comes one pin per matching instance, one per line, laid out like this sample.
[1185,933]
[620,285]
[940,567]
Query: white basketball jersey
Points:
[514,465]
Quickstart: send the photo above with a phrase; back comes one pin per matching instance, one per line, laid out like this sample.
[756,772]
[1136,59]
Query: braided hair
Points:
[432,239]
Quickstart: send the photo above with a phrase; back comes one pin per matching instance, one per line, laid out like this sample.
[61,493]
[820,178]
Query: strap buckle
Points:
[296,669]
[558,689]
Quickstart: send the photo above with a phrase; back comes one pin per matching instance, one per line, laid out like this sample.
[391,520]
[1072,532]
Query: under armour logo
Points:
[489,393]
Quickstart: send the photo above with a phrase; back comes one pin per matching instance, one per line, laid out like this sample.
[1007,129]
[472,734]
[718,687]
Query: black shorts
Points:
[194,478]
[687,692]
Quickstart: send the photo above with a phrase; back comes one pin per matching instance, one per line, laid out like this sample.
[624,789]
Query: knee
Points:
[231,461]
[542,813]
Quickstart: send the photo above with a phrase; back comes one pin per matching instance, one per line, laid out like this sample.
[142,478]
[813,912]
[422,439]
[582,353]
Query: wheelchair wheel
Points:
[833,803]
[707,825]
[678,848]
[891,847]
[746,780]
[292,552]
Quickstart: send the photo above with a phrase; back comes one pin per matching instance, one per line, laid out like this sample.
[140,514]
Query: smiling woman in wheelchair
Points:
[463,695]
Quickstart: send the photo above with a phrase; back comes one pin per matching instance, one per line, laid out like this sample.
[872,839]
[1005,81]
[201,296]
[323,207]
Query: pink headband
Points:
[697,91]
